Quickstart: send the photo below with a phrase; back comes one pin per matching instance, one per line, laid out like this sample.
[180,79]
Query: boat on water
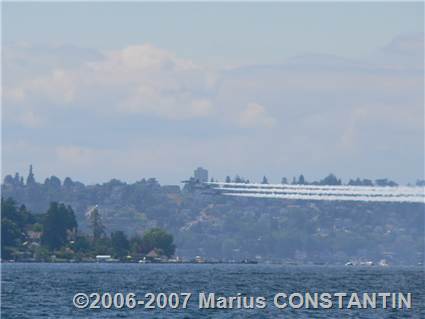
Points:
[105,259]
[383,263]
[359,263]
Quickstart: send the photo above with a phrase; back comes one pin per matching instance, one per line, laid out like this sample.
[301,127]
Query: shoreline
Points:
[225,263]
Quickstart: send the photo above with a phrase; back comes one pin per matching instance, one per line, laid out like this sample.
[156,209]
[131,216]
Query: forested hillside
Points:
[221,227]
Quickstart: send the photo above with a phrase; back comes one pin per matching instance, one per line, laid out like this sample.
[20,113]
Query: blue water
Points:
[46,290]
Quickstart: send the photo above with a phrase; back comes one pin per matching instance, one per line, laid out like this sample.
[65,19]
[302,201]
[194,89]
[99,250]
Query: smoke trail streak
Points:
[322,192]
[331,198]
[307,191]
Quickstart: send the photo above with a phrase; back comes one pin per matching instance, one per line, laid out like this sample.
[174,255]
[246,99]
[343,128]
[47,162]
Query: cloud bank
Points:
[312,113]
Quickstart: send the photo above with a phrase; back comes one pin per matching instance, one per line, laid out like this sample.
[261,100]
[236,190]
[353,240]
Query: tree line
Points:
[27,236]
[330,179]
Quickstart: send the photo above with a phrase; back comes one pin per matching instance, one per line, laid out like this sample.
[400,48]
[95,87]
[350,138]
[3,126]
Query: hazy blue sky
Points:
[102,90]
[225,33]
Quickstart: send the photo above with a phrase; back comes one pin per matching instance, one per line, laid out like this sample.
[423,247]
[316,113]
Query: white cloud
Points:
[137,79]
[31,119]
[255,115]
[59,87]
[15,94]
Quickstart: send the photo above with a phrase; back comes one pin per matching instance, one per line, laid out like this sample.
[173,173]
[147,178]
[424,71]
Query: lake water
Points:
[46,290]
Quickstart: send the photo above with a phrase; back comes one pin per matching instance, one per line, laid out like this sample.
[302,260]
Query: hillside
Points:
[223,227]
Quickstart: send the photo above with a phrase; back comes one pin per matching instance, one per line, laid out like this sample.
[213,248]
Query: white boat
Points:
[383,263]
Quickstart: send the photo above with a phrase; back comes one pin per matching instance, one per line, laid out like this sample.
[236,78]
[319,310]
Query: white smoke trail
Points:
[307,191]
[331,198]
[322,192]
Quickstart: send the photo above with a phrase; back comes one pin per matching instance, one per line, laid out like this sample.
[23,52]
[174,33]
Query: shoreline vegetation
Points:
[54,237]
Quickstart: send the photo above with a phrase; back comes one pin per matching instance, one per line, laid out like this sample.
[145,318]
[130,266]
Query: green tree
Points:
[41,254]
[136,245]
[10,233]
[331,179]
[30,178]
[157,238]
[58,222]
[102,246]
[20,217]
[81,244]
[13,224]
[95,220]
[120,244]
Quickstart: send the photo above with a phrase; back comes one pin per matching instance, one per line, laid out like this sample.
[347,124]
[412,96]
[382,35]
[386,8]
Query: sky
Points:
[97,91]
